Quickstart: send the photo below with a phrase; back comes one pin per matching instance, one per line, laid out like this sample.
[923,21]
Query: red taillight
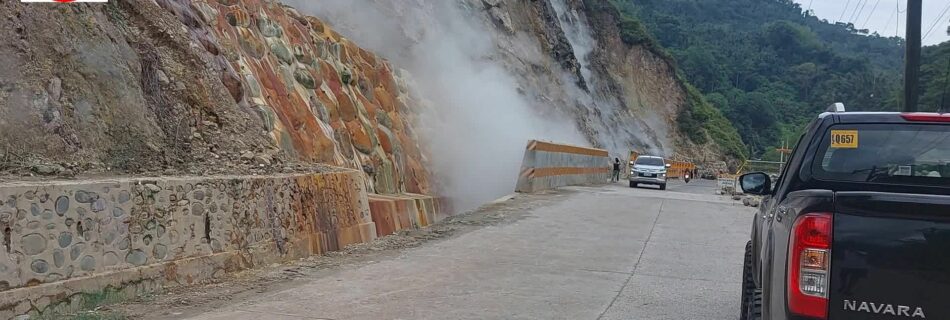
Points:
[926,117]
[809,265]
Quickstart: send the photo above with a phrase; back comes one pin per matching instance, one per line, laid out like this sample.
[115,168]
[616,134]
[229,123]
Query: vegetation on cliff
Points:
[768,65]
[698,120]
[935,78]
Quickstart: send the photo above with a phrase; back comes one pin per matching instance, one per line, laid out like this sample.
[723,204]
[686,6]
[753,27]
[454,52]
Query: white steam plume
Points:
[479,123]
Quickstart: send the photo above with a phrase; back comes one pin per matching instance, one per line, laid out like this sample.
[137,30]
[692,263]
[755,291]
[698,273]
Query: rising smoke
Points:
[478,123]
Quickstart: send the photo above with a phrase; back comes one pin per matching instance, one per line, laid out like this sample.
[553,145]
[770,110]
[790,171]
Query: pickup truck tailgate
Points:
[890,256]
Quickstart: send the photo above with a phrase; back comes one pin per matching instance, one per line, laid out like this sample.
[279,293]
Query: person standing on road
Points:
[616,175]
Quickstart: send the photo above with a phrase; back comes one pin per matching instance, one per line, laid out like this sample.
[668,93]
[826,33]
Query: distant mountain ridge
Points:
[769,66]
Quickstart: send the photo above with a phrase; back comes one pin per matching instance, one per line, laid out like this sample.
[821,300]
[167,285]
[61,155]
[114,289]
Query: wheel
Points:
[751,296]
[633,184]
[663,186]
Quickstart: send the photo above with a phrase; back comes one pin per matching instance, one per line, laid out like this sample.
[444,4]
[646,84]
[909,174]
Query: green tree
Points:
[769,67]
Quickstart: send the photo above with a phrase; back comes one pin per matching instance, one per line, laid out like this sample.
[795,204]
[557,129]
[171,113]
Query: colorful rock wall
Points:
[548,166]
[322,98]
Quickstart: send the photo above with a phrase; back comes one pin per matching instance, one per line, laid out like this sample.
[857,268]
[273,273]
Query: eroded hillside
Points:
[549,54]
[198,87]
[255,86]
[500,72]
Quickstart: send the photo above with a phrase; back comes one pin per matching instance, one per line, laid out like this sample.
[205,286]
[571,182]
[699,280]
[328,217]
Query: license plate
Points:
[649,175]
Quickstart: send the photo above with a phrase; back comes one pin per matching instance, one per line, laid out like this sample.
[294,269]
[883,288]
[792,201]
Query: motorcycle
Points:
[686,178]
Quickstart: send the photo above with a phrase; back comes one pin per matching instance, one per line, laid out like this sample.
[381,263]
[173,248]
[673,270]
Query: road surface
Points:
[602,253]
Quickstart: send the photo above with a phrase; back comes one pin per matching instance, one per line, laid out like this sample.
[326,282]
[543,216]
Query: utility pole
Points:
[912,62]
[783,151]
[784,147]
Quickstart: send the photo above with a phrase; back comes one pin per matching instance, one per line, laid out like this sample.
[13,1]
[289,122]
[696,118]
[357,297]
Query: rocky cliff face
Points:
[256,86]
[622,97]
[215,86]
[542,69]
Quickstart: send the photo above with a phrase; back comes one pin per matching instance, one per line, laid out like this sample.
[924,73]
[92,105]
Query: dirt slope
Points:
[254,86]
[175,86]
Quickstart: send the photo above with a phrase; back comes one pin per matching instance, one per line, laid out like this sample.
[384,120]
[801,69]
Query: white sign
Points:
[727,182]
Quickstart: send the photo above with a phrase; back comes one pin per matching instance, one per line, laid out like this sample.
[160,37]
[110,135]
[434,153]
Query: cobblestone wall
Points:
[67,238]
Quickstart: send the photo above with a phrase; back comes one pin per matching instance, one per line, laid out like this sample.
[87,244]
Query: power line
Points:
[889,21]
[897,29]
[936,22]
[857,13]
[845,9]
[895,16]
[855,10]
[871,14]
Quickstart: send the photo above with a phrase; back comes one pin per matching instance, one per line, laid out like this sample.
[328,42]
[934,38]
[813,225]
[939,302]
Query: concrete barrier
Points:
[396,212]
[385,215]
[548,166]
[71,244]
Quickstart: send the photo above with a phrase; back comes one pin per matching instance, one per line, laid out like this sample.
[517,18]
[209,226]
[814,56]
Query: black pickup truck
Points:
[857,225]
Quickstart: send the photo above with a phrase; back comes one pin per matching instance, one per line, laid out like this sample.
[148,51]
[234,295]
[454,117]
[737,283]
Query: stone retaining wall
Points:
[65,244]
[548,166]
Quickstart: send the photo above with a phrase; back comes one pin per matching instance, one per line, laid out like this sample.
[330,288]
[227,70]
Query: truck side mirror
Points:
[757,183]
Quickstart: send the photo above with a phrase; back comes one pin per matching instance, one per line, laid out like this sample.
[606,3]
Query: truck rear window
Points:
[907,154]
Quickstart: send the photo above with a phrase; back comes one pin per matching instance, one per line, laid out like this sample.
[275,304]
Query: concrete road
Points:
[705,187]
[604,253]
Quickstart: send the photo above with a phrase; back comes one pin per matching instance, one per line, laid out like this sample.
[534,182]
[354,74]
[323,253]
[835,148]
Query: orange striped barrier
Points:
[550,165]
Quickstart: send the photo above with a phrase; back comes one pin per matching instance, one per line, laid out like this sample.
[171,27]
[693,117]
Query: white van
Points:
[648,170]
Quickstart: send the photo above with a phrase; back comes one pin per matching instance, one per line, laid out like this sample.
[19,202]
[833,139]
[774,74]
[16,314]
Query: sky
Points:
[884,19]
